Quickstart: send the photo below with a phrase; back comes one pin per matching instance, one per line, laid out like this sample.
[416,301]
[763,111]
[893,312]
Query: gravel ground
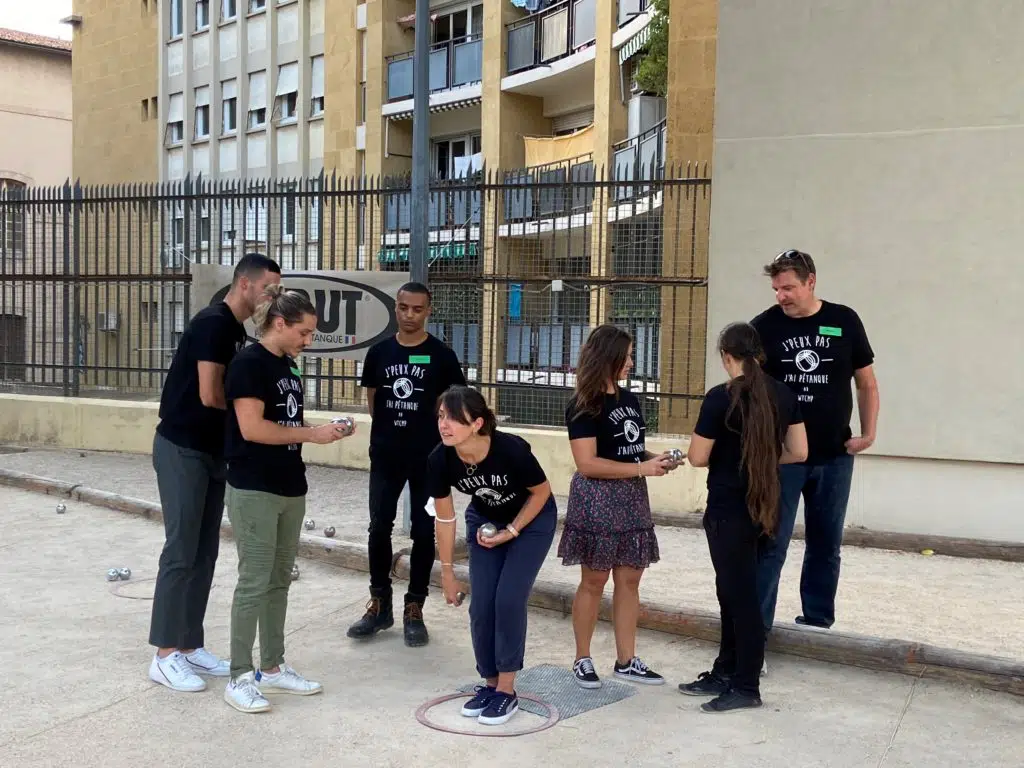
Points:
[972,605]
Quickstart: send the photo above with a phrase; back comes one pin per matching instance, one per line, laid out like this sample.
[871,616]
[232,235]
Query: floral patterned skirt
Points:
[608,524]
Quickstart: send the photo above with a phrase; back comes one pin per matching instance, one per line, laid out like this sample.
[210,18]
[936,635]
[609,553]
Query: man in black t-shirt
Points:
[188,456]
[403,375]
[815,347]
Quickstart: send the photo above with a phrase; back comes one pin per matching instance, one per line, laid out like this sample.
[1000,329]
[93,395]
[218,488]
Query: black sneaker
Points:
[500,708]
[585,674]
[475,706]
[415,630]
[638,672]
[378,616]
[811,622]
[706,684]
[731,701]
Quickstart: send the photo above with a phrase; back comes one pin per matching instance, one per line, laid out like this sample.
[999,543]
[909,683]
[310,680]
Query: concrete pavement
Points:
[76,692]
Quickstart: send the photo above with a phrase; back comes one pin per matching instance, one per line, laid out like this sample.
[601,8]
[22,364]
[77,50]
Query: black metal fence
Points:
[95,280]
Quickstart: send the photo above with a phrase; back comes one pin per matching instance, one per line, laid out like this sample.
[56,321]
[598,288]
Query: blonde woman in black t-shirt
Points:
[746,428]
[608,525]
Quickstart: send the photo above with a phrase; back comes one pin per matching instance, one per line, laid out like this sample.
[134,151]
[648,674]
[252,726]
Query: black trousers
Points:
[191,485]
[387,479]
[733,540]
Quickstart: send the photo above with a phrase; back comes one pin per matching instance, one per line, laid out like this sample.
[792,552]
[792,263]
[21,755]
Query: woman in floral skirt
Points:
[608,526]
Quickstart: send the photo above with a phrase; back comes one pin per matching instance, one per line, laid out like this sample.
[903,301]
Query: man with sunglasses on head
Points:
[815,347]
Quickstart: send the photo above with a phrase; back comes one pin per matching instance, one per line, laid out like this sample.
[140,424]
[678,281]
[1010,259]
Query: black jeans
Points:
[733,540]
[387,479]
[191,485]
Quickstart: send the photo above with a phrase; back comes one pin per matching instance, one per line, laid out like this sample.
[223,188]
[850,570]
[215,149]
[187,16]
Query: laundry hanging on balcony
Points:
[409,22]
[532,5]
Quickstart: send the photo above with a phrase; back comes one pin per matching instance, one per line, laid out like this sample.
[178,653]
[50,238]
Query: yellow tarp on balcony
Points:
[545,150]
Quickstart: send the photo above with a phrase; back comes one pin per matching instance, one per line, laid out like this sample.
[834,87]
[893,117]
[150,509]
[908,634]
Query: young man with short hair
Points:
[188,456]
[403,376]
[815,347]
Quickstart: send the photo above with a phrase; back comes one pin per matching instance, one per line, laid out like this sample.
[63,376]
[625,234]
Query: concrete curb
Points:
[951,546]
[888,655]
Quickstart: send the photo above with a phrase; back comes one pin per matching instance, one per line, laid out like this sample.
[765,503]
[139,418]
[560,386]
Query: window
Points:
[257,100]
[175,119]
[177,20]
[12,222]
[457,25]
[203,112]
[202,14]
[229,107]
[149,312]
[145,110]
[287,94]
[228,9]
[316,90]
[455,158]
[255,6]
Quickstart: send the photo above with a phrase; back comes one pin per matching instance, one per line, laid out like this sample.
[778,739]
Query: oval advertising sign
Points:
[351,314]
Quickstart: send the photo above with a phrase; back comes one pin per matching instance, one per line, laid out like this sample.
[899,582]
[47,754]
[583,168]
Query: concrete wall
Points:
[882,138]
[114,67]
[35,115]
[111,425]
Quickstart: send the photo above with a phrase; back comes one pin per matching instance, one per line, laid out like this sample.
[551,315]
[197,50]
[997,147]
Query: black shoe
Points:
[585,674]
[636,671]
[731,701]
[706,684]
[812,622]
[415,630]
[378,616]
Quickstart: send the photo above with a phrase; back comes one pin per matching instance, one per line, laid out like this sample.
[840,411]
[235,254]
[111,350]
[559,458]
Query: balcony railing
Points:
[547,191]
[453,205]
[630,9]
[452,64]
[639,158]
[551,34]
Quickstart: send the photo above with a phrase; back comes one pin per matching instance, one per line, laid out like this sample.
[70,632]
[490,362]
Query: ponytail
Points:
[760,443]
[292,306]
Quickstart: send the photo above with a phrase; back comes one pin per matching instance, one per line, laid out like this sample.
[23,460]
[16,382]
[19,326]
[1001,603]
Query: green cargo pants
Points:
[266,528]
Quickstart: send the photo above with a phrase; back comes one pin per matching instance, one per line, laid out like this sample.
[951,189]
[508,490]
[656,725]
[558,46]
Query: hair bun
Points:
[273,290]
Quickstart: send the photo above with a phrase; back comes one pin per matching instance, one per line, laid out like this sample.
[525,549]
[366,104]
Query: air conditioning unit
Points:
[644,112]
[107,321]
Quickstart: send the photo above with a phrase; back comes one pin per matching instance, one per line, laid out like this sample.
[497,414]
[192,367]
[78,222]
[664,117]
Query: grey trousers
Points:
[191,487]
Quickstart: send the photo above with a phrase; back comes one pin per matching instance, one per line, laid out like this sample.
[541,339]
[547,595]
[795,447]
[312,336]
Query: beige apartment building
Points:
[534,91]
[35,151]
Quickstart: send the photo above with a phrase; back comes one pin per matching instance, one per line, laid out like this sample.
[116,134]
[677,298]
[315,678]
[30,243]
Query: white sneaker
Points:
[205,663]
[242,694]
[176,673]
[287,680]
[764,668]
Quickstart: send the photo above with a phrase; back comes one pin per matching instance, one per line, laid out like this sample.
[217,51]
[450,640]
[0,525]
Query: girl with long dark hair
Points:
[510,492]
[608,525]
[746,428]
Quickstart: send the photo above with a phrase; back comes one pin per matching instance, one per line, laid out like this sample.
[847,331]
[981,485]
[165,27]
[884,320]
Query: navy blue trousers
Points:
[501,580]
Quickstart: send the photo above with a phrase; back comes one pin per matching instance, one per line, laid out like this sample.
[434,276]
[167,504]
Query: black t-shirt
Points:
[215,336]
[258,373]
[816,357]
[499,483]
[408,381]
[727,477]
[620,429]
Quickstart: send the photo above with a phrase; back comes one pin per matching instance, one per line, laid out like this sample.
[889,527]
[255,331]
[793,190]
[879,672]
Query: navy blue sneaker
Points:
[500,709]
[478,703]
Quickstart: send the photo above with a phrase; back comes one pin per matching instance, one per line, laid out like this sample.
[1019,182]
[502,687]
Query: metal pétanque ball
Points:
[61,509]
[124,573]
[329,532]
[488,530]
[113,574]
[295,572]
[310,525]
[345,421]
[676,455]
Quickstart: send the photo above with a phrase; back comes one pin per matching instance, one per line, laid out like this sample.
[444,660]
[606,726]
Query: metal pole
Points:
[418,237]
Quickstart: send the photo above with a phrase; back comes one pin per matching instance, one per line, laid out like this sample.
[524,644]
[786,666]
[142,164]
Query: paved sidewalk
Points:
[76,693]
[970,605]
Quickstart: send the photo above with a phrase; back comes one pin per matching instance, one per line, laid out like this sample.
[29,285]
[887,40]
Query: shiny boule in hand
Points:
[488,530]
[676,455]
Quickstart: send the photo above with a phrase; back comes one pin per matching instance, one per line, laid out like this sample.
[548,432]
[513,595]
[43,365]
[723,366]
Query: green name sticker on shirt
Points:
[421,359]
[827,330]
[297,372]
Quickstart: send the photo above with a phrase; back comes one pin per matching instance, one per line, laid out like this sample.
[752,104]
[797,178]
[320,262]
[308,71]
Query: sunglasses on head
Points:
[791,255]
